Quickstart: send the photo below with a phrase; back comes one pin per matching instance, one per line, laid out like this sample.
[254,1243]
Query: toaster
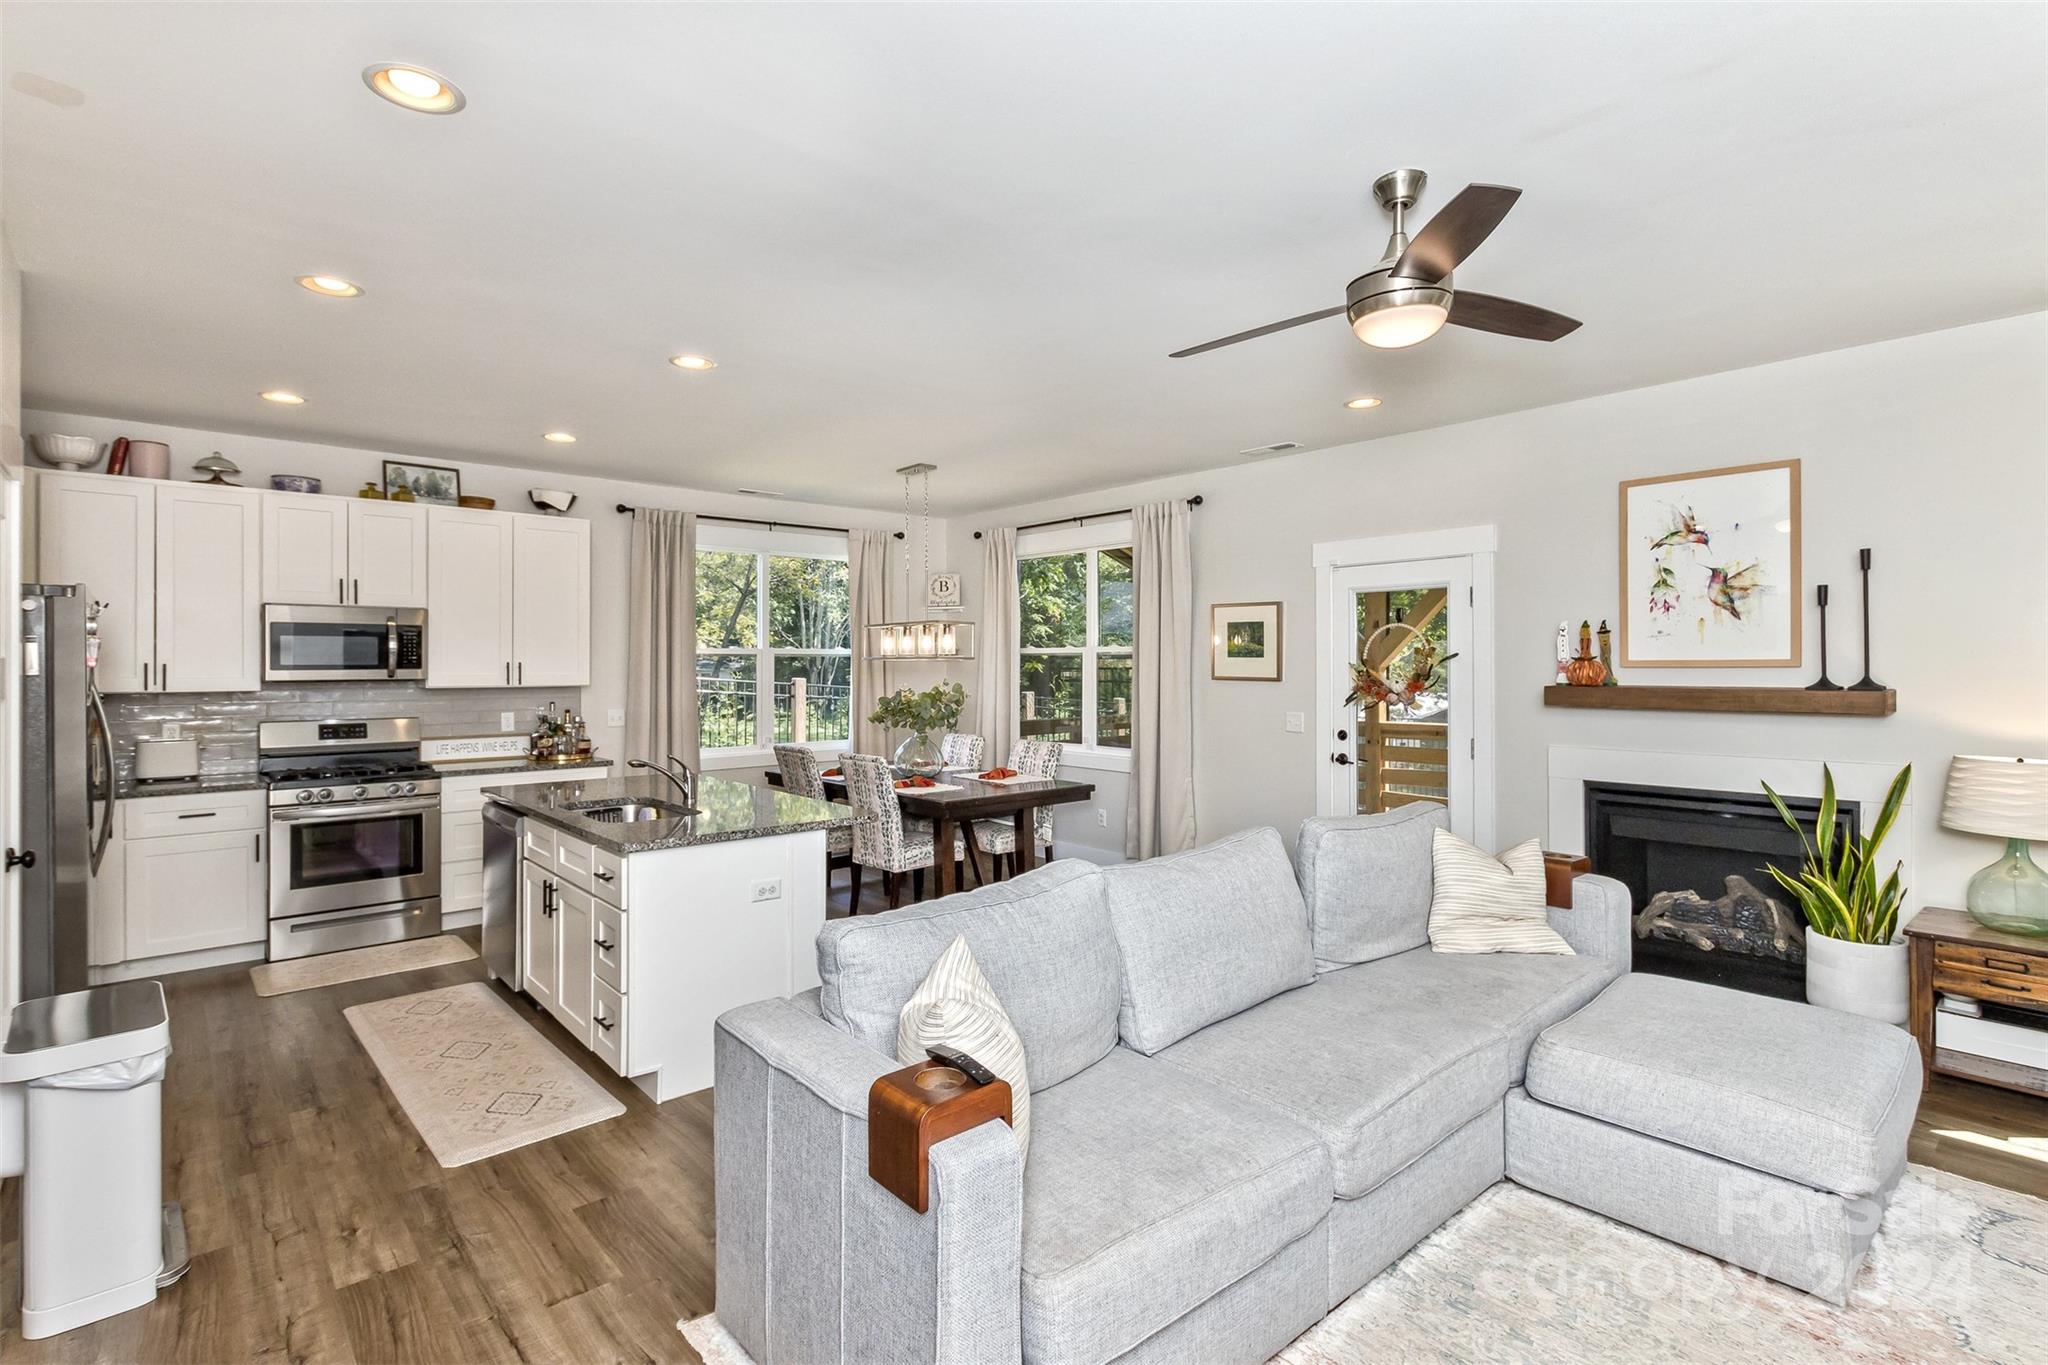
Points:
[162,760]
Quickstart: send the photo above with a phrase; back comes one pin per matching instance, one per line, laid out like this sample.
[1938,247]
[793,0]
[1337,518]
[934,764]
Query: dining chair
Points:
[998,838]
[882,838]
[960,750]
[803,772]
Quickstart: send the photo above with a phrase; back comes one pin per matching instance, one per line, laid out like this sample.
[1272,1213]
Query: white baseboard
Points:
[142,967]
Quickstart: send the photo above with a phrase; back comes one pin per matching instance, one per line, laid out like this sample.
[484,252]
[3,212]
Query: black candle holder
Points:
[1825,684]
[1866,683]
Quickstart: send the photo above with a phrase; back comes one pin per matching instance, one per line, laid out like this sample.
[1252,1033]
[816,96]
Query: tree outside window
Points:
[1075,633]
[748,677]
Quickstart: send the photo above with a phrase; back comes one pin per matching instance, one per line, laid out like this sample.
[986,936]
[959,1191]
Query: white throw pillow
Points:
[1484,904]
[955,1006]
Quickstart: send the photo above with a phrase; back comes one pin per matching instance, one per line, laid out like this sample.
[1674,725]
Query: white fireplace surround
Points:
[1864,783]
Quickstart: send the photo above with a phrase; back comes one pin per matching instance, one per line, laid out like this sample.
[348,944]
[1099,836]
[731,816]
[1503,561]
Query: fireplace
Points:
[1694,863]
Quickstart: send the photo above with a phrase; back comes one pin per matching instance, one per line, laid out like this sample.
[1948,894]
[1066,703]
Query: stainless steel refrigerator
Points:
[67,785]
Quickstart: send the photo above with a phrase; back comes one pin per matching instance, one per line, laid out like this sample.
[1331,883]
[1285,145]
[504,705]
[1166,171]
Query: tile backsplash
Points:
[225,723]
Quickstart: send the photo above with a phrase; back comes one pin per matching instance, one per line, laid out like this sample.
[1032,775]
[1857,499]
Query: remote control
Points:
[960,1061]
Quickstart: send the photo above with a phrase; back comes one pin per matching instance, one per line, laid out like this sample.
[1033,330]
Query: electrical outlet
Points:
[167,730]
[615,717]
[1101,818]
[507,721]
[768,889]
[1296,722]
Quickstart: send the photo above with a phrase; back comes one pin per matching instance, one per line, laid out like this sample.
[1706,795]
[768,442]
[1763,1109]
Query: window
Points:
[774,649]
[1074,636]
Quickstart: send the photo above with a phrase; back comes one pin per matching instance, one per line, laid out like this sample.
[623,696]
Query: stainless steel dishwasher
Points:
[501,894]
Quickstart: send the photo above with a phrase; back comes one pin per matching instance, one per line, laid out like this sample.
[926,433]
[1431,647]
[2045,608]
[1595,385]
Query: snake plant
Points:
[1837,887]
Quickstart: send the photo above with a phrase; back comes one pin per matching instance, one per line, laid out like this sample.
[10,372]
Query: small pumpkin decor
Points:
[1412,670]
[1585,669]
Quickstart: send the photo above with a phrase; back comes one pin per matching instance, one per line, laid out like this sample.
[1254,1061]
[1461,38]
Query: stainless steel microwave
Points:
[343,644]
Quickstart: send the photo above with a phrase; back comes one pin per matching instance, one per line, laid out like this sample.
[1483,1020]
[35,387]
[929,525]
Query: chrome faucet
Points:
[686,783]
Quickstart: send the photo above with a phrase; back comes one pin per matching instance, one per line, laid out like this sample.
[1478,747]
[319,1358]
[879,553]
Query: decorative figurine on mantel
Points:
[1606,656]
[1824,684]
[1585,670]
[1564,653]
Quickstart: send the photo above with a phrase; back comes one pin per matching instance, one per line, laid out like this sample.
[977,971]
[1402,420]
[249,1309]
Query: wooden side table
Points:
[1952,954]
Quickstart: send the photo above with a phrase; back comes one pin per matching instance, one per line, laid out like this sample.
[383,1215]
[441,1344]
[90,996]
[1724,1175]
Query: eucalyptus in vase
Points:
[927,715]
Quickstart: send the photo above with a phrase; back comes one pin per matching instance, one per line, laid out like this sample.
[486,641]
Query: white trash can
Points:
[81,1121]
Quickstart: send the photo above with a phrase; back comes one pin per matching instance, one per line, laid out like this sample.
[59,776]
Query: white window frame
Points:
[764,544]
[1113,534]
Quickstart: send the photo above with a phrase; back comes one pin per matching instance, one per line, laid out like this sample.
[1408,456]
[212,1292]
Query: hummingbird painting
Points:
[1685,530]
[1730,587]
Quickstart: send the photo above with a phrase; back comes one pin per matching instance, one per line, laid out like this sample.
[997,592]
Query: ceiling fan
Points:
[1408,297]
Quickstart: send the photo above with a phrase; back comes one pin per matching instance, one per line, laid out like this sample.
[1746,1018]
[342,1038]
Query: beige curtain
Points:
[1159,815]
[995,703]
[867,583]
[661,637]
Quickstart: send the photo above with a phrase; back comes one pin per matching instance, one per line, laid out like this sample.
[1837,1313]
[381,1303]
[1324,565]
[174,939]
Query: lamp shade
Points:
[2006,797]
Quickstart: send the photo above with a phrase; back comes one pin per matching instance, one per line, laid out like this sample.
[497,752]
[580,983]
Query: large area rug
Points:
[1959,1272]
[475,1078]
[357,964]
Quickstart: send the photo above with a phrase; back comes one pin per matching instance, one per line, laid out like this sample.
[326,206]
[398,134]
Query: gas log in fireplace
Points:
[1694,863]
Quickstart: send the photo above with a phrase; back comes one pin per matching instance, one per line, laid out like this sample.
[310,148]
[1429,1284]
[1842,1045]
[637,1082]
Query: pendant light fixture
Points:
[928,638]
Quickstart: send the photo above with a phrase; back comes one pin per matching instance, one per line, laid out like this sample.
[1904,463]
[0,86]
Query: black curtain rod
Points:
[1195,501]
[771,525]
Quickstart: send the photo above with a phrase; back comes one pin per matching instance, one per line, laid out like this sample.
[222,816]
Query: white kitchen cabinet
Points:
[542,972]
[305,549]
[191,891]
[469,598]
[101,532]
[574,923]
[462,828]
[209,582]
[387,554]
[550,602]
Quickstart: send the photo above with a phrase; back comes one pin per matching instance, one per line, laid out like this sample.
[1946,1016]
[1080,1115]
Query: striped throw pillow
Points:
[956,1007]
[1484,904]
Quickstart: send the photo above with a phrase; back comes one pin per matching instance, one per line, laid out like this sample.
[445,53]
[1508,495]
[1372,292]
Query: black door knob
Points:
[1344,759]
[25,858]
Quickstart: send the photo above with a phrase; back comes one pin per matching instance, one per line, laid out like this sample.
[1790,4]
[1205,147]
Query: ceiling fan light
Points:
[1403,324]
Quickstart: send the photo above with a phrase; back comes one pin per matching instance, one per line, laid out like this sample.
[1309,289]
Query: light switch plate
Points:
[615,717]
[1296,722]
[507,721]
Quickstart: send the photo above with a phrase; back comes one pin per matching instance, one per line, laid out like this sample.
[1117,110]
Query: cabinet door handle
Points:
[145,677]
[358,584]
[163,677]
[341,589]
[508,672]
[604,943]
[199,815]
[256,854]
[601,1022]
[602,876]
[522,672]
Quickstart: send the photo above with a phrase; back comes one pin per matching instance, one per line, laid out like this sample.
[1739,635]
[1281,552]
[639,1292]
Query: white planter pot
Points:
[1860,978]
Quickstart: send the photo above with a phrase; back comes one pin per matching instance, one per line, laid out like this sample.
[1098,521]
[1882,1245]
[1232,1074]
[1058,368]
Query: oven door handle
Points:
[323,815]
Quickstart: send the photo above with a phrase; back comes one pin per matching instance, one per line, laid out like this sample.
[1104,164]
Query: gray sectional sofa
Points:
[1253,1087]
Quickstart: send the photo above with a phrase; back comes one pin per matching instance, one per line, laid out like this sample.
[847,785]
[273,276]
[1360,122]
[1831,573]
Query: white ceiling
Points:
[971,234]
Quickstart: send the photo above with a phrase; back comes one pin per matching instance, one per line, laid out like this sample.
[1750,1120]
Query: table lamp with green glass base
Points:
[2006,797]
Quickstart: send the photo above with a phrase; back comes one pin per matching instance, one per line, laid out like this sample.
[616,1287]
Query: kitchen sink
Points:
[630,812]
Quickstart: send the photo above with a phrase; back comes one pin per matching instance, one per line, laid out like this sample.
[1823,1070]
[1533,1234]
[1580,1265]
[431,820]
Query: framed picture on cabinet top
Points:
[1710,568]
[426,482]
[1244,641]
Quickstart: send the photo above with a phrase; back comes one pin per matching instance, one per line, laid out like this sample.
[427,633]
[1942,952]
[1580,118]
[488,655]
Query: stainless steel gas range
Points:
[355,834]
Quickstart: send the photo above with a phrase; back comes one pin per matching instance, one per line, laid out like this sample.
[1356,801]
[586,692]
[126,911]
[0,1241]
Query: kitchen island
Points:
[640,922]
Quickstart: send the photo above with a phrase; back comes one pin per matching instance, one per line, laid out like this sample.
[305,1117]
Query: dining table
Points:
[960,797]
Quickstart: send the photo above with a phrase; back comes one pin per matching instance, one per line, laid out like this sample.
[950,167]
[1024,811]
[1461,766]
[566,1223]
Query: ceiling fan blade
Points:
[1270,327]
[1486,313]
[1456,231]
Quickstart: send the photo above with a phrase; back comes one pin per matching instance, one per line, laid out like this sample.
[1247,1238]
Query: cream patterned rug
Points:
[357,964]
[1959,1272]
[475,1078]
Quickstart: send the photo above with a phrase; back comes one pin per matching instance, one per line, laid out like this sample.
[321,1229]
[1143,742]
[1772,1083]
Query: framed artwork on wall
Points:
[1710,568]
[1244,641]
[426,482]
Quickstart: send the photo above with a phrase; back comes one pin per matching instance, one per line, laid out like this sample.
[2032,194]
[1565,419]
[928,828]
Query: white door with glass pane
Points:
[1411,739]
[774,643]
[1074,635]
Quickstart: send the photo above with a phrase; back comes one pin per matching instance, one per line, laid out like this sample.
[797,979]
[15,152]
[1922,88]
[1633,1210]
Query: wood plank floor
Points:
[323,1230]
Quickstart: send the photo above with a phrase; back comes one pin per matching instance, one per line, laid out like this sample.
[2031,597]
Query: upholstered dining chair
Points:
[803,772]
[998,838]
[958,750]
[882,838]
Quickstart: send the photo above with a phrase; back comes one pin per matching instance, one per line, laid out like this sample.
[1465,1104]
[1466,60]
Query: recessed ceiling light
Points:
[284,396]
[693,362]
[560,438]
[1361,404]
[414,87]
[333,286]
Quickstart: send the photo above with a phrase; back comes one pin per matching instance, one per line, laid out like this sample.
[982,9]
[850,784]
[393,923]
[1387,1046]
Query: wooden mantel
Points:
[1780,701]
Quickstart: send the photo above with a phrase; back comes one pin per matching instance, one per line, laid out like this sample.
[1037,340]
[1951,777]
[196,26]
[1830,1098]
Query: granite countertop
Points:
[128,788]
[490,767]
[727,810]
